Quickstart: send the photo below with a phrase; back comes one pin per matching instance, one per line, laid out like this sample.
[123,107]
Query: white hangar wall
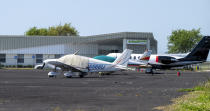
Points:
[25,50]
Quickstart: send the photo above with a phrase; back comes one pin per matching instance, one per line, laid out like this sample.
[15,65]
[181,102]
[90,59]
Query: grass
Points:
[18,68]
[186,90]
[197,99]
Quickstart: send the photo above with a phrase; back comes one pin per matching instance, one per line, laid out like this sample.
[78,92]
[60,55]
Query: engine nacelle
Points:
[165,59]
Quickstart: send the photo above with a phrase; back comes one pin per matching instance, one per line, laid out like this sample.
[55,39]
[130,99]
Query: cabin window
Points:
[20,58]
[134,57]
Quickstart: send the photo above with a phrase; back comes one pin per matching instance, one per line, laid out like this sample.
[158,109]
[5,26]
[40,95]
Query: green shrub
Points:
[29,66]
[19,66]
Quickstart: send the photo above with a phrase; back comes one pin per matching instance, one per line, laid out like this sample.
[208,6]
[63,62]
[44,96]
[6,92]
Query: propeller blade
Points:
[43,66]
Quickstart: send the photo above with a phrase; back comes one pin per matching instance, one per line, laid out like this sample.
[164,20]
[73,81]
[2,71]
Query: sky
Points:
[93,17]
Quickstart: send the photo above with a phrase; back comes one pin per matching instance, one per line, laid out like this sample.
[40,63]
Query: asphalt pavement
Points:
[32,90]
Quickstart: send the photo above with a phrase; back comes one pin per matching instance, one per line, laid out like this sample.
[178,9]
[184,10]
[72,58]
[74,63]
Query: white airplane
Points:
[135,59]
[80,65]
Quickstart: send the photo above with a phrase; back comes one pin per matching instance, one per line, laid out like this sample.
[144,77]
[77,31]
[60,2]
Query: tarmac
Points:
[32,90]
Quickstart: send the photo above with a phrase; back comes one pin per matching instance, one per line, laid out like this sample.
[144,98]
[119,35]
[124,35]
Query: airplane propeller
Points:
[43,66]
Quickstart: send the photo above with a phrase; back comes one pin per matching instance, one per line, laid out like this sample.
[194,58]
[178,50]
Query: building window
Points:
[58,55]
[2,58]
[39,58]
[20,58]
[114,51]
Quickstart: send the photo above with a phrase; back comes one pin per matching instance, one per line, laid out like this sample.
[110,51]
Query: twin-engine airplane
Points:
[198,55]
[80,65]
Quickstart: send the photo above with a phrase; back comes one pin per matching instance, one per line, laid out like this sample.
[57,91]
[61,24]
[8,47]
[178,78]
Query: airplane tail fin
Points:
[146,55]
[201,50]
[123,58]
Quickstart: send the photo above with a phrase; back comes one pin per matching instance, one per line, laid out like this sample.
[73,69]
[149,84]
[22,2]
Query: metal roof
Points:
[15,41]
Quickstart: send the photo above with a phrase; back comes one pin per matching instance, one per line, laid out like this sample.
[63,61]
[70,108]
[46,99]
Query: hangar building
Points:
[31,50]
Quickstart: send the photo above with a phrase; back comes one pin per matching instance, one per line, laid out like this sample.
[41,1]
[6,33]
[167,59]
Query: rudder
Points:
[123,58]
[201,50]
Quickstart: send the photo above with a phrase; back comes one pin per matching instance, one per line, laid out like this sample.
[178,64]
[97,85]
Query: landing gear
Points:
[68,74]
[81,76]
[52,74]
[105,73]
[149,70]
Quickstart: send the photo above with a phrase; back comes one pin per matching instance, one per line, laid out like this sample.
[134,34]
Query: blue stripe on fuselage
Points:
[92,66]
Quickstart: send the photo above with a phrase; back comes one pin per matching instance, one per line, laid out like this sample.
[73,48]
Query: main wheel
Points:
[81,76]
[152,72]
[68,76]
[51,76]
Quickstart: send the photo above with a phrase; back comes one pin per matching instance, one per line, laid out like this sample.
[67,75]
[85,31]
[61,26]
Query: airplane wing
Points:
[66,67]
[74,62]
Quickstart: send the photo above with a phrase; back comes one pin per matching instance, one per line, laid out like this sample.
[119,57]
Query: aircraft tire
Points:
[51,76]
[68,76]
[81,76]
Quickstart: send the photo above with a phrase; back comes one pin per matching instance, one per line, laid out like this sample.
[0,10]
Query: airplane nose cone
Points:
[45,61]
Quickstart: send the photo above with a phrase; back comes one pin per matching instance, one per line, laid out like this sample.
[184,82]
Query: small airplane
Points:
[81,65]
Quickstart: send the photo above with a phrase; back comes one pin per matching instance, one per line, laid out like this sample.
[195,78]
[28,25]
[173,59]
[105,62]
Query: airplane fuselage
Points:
[93,65]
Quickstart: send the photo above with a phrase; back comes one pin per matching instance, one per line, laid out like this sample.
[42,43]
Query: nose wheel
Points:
[52,76]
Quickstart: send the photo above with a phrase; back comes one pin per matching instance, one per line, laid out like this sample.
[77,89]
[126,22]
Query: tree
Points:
[182,41]
[32,31]
[65,30]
